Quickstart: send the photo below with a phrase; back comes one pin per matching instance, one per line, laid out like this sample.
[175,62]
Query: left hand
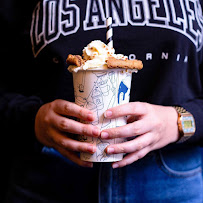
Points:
[149,127]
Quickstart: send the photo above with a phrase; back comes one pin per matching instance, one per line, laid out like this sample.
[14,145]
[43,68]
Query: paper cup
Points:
[99,90]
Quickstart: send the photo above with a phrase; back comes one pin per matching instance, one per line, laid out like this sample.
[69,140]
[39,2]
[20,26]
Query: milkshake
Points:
[102,80]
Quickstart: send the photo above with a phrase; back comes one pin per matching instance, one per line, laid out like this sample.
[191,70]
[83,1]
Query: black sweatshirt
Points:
[36,38]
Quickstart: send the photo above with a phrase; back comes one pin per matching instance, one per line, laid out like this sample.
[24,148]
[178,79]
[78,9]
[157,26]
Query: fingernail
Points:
[96,132]
[91,149]
[115,165]
[104,135]
[110,150]
[90,117]
[108,114]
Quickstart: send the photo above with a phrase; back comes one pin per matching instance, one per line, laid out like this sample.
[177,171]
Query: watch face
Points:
[188,124]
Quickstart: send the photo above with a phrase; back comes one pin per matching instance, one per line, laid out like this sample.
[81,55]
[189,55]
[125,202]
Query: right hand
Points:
[52,128]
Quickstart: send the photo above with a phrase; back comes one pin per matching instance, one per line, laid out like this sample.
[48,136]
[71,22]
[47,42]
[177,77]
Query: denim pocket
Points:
[183,161]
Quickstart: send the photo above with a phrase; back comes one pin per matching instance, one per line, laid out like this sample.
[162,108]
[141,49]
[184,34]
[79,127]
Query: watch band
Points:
[180,109]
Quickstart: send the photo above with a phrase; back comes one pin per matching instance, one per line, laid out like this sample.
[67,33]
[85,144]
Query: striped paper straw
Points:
[109,33]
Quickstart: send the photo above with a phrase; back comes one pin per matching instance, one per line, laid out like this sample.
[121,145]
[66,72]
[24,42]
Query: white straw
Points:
[109,33]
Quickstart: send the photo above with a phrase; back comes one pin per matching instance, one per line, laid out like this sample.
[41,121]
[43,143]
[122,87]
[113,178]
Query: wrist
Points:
[173,123]
[185,123]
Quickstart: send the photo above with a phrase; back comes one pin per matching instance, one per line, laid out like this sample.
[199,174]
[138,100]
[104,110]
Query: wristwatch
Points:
[186,124]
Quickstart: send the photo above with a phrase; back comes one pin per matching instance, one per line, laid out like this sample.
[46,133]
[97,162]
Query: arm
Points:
[26,118]
[17,114]
[152,127]
[195,107]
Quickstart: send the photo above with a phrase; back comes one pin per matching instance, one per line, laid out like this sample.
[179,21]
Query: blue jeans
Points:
[167,175]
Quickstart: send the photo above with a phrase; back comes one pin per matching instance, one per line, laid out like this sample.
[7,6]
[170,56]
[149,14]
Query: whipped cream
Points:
[96,55]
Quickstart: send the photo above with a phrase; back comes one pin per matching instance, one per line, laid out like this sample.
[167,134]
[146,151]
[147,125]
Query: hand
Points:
[52,128]
[149,127]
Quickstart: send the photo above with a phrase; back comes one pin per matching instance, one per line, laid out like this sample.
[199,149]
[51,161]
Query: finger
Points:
[73,157]
[133,108]
[65,142]
[67,108]
[131,146]
[130,158]
[68,125]
[130,130]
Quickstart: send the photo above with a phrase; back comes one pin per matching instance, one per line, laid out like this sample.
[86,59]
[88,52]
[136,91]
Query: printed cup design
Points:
[99,90]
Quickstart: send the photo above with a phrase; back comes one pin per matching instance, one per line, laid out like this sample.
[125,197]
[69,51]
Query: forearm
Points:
[17,115]
[195,107]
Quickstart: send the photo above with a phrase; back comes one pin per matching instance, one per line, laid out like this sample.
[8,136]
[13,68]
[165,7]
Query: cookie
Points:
[127,64]
[75,60]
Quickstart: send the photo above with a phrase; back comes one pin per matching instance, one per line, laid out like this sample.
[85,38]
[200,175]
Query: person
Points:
[39,118]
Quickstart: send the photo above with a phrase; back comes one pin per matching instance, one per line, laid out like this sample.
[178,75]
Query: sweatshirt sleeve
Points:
[17,117]
[195,107]
[17,105]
